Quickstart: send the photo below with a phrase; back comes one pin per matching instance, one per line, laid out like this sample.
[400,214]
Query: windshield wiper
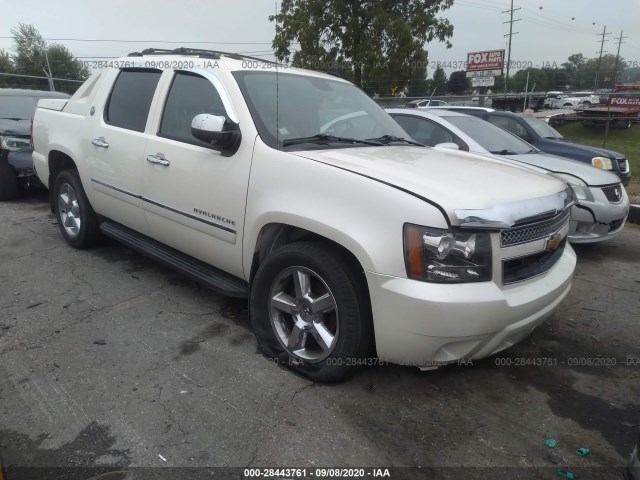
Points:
[325,138]
[10,118]
[504,152]
[387,139]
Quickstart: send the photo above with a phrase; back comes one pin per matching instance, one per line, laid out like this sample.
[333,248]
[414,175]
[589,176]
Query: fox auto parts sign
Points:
[624,101]
[485,64]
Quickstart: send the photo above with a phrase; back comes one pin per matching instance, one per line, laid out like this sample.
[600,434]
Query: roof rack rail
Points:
[215,54]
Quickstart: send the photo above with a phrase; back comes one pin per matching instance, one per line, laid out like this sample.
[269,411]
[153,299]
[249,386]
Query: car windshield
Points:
[303,110]
[489,136]
[542,128]
[17,107]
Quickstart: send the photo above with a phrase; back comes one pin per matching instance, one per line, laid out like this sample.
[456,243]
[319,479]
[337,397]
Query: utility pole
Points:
[48,73]
[620,42]
[510,35]
[603,35]
[615,72]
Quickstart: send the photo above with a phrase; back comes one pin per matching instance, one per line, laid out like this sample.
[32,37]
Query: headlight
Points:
[444,256]
[580,188]
[602,162]
[13,143]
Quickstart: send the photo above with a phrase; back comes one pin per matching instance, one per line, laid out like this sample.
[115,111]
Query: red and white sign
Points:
[624,101]
[487,60]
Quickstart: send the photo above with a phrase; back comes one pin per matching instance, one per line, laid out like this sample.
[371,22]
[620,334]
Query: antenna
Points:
[277,85]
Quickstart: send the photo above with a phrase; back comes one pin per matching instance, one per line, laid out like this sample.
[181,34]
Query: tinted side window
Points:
[424,131]
[510,125]
[131,97]
[190,95]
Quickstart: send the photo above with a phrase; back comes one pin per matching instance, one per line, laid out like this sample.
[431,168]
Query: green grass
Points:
[626,141]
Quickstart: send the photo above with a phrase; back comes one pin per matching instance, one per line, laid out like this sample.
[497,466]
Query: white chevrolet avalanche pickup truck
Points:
[295,190]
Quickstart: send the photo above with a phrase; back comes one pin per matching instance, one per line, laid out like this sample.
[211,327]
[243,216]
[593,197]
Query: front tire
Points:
[310,311]
[77,221]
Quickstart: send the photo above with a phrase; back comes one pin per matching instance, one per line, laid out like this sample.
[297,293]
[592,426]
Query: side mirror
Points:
[221,133]
[449,145]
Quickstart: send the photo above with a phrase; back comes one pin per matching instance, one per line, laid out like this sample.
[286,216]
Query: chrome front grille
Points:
[623,165]
[523,268]
[613,193]
[534,231]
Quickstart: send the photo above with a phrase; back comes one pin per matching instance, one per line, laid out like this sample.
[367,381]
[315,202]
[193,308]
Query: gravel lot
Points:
[107,359]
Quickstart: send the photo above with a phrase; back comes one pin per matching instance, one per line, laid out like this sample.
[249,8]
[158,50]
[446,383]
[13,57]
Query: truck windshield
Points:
[305,111]
[542,128]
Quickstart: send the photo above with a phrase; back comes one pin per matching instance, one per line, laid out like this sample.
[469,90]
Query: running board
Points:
[222,282]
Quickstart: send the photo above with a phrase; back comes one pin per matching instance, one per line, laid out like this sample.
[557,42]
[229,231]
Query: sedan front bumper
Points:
[600,219]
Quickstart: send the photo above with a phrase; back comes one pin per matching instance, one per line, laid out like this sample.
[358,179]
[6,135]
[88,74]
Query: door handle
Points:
[100,142]
[158,159]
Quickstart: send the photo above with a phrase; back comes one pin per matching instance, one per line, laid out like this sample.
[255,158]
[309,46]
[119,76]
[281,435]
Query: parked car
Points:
[573,100]
[550,97]
[632,472]
[426,102]
[602,204]
[16,166]
[341,240]
[543,136]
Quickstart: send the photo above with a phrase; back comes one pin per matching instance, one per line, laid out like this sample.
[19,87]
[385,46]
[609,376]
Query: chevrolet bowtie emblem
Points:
[553,242]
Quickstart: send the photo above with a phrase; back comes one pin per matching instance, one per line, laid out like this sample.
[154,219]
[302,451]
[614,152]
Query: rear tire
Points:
[310,311]
[77,221]
[8,181]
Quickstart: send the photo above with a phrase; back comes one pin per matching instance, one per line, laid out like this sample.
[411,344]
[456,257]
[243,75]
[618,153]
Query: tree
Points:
[439,81]
[29,48]
[543,79]
[32,51]
[574,67]
[379,42]
[458,83]
[630,75]
[419,87]
[64,65]
[6,66]
[607,69]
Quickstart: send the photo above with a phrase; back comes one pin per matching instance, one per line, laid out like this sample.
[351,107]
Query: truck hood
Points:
[17,128]
[589,174]
[454,180]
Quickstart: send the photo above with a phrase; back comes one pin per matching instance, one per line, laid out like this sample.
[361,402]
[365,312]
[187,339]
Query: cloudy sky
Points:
[549,30]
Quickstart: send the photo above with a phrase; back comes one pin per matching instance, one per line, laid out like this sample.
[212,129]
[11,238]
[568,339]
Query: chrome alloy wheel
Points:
[304,314]
[69,210]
